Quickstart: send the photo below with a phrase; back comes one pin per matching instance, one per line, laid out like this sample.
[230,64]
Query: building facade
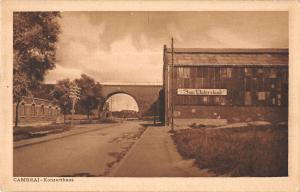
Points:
[231,84]
[36,110]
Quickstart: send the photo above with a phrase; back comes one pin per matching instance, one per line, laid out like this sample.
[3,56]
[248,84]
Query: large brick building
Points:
[32,110]
[231,84]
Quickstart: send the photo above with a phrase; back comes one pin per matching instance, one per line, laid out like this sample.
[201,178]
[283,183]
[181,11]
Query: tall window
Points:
[50,111]
[22,110]
[33,110]
[42,110]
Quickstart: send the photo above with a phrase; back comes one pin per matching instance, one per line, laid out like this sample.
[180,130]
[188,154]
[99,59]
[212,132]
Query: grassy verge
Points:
[251,151]
[28,132]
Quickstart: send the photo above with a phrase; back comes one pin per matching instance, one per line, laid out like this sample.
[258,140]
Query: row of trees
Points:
[90,95]
[35,35]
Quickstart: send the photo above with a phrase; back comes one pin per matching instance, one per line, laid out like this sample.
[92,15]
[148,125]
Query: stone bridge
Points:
[144,94]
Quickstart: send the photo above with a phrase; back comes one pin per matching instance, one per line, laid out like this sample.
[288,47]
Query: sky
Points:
[127,47]
[121,101]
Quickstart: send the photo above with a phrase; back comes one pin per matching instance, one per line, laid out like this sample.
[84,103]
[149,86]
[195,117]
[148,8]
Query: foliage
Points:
[34,38]
[60,95]
[34,43]
[251,151]
[90,93]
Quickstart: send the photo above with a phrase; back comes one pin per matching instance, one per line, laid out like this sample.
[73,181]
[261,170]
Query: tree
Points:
[60,95]
[90,95]
[20,89]
[34,44]
[34,41]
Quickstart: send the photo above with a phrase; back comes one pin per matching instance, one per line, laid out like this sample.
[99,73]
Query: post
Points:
[72,111]
[111,107]
[154,114]
[74,93]
[172,87]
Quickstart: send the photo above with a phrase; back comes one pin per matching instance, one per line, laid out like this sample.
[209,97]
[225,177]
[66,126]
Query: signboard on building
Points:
[201,91]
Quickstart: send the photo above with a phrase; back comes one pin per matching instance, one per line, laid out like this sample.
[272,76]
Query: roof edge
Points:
[228,50]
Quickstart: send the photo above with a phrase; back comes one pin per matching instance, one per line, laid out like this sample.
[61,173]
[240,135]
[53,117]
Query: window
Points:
[33,110]
[22,110]
[42,110]
[261,96]
[248,98]
[229,72]
[184,72]
[248,72]
[278,99]
[50,111]
[199,72]
[273,74]
[223,73]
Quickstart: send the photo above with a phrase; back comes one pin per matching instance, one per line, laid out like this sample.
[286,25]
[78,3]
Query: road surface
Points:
[94,153]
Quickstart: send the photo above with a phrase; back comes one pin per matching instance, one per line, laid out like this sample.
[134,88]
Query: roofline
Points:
[35,98]
[230,65]
[228,50]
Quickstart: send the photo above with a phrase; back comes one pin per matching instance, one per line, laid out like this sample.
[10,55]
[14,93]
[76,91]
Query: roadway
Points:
[92,153]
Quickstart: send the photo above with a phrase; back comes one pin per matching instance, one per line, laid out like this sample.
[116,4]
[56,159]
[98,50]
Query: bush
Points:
[251,151]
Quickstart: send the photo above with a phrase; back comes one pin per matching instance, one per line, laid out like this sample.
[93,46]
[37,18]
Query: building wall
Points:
[254,92]
[255,86]
[36,110]
[232,113]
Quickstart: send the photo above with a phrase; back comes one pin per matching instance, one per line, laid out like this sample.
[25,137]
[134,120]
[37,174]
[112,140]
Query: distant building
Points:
[36,110]
[232,84]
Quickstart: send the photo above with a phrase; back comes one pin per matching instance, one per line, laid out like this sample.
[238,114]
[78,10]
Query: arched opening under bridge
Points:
[120,105]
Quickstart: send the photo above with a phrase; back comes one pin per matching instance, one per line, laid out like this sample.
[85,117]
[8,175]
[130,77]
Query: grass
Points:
[251,151]
[28,132]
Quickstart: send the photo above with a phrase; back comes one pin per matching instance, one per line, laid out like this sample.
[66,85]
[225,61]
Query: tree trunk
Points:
[17,113]
[88,113]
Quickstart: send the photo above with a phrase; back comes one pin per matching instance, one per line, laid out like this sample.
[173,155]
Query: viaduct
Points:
[144,94]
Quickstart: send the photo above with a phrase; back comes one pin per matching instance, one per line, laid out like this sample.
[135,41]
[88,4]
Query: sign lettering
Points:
[201,91]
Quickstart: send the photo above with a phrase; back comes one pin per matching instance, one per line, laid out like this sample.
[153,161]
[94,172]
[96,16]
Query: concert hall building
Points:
[229,84]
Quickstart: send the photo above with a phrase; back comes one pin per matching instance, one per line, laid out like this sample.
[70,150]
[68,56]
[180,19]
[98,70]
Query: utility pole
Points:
[172,87]
[111,106]
[74,95]
[154,114]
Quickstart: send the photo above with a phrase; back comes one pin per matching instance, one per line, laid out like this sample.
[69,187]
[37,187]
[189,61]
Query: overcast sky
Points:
[127,47]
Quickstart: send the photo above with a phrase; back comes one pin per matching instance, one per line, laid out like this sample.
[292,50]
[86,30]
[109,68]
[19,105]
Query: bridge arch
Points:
[144,95]
[123,93]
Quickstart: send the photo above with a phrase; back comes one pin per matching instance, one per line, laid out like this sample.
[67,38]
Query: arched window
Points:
[50,111]
[56,111]
[33,110]
[22,110]
[42,110]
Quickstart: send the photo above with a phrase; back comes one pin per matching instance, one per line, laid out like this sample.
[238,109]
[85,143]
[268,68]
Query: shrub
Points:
[251,151]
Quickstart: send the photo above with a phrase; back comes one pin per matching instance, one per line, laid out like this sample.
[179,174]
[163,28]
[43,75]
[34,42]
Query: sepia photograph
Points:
[169,96]
[150,93]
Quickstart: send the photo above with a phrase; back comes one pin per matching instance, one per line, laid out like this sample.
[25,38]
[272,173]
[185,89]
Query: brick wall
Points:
[33,110]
